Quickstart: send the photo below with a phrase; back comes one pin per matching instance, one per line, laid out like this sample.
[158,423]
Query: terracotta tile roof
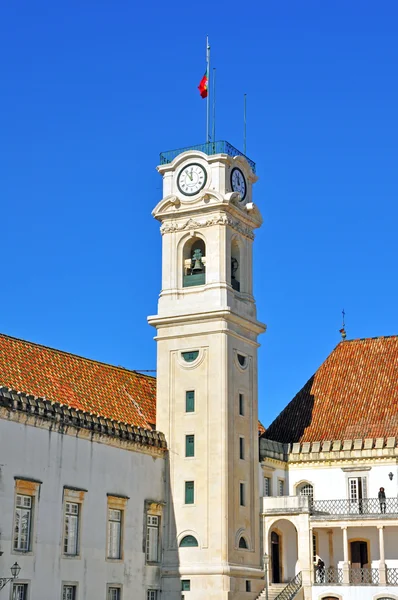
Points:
[113,392]
[354,394]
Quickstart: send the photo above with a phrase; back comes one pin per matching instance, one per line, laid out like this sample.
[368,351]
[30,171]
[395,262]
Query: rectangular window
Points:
[71,537]
[241,405]
[281,487]
[152,595]
[242,494]
[242,448]
[114,593]
[267,486]
[314,548]
[185,585]
[114,533]
[190,445]
[20,591]
[190,401]
[189,492]
[68,592]
[152,538]
[23,522]
[248,586]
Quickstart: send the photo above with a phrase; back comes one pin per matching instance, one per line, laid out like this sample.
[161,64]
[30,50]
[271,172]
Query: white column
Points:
[346,565]
[382,563]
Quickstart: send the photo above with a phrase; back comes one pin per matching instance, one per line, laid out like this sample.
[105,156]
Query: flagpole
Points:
[244,124]
[208,90]
[213,135]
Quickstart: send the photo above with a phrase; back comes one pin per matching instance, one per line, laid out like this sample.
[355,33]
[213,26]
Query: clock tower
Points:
[207,332]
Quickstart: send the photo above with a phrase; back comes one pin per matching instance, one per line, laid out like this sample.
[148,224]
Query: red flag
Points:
[203,86]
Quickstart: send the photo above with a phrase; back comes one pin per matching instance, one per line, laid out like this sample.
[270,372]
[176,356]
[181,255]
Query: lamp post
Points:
[265,563]
[15,569]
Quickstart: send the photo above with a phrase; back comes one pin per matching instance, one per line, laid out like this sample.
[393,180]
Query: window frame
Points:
[71,584]
[15,584]
[191,481]
[191,399]
[19,509]
[109,544]
[152,527]
[76,519]
[281,487]
[269,479]
[152,594]
[189,445]
[114,586]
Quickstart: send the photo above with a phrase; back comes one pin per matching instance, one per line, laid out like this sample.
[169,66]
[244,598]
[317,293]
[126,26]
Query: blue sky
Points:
[93,91]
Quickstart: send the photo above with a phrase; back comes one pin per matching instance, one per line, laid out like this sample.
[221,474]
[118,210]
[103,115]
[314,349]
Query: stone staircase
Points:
[273,591]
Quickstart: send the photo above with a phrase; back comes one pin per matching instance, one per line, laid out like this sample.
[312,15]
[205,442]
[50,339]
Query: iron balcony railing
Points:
[357,576]
[355,508]
[209,148]
[330,575]
[292,588]
[392,576]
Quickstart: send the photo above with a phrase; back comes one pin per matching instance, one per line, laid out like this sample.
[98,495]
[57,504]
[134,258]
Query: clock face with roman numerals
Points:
[238,183]
[191,179]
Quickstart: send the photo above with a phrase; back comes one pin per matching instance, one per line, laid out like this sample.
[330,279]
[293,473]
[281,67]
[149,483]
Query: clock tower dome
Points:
[207,332]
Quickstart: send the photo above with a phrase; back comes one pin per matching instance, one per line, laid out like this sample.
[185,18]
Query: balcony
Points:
[282,505]
[357,576]
[209,148]
[367,508]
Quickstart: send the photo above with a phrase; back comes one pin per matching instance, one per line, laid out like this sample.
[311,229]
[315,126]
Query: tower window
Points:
[189,492]
[242,360]
[194,263]
[190,401]
[241,405]
[242,494]
[248,586]
[243,543]
[185,585]
[190,356]
[242,448]
[189,541]
[235,266]
[189,445]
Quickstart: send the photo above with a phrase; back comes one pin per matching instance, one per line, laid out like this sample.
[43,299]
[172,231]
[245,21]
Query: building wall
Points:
[59,460]
[330,481]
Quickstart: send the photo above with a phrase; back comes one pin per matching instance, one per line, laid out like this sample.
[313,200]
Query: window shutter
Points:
[364,487]
[190,401]
[189,492]
[189,445]
[152,544]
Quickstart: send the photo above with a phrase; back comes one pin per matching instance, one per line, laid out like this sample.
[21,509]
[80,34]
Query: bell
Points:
[197,265]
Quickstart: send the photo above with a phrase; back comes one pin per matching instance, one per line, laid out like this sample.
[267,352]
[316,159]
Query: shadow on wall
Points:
[290,425]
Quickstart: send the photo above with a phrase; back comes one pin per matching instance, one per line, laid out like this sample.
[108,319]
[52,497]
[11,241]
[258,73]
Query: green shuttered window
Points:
[189,445]
[189,492]
[190,401]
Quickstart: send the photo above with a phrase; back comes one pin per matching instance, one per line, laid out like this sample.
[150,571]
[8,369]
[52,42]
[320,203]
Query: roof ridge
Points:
[84,358]
[375,337]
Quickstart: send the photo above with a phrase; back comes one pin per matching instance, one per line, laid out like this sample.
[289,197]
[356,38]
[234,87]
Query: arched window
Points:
[243,543]
[189,541]
[306,489]
[194,262]
[235,265]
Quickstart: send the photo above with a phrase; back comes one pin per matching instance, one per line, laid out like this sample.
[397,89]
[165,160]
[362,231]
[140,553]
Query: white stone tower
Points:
[207,375]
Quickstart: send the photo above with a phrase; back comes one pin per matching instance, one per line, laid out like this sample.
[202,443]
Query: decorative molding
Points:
[189,224]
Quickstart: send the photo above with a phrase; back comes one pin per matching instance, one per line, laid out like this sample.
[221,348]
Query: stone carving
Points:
[189,224]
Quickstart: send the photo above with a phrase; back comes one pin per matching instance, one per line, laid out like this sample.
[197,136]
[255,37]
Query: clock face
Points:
[238,182]
[191,179]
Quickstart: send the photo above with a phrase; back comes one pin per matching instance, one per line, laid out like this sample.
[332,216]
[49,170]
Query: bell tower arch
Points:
[207,331]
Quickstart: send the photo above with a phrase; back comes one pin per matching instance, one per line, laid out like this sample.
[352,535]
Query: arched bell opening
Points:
[194,262]
[235,265]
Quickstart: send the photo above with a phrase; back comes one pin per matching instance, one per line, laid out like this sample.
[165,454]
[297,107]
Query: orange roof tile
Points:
[354,394]
[113,392]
